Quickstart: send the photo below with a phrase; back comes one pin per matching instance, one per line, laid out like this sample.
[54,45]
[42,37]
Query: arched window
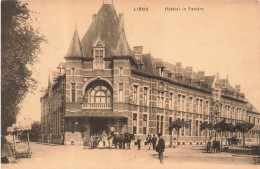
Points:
[100,94]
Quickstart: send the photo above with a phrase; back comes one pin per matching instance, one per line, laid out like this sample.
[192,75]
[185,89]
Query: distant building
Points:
[104,86]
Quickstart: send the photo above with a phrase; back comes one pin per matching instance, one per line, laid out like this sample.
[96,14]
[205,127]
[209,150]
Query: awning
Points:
[97,113]
[256,128]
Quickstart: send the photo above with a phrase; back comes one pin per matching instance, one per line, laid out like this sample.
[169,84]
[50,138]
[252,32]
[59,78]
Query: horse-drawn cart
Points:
[22,149]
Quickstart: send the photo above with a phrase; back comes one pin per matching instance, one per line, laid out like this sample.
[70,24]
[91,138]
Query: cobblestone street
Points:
[75,157]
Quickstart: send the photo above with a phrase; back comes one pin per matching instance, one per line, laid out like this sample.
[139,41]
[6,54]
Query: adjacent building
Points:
[105,86]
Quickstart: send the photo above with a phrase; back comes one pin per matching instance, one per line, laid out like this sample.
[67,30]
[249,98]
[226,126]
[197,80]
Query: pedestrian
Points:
[139,143]
[91,142]
[148,141]
[104,140]
[154,140]
[160,147]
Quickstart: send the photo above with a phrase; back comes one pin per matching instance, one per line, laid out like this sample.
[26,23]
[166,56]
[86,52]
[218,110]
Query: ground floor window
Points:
[145,124]
[134,123]
[160,124]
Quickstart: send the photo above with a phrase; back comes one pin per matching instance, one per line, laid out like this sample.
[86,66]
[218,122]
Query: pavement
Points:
[76,157]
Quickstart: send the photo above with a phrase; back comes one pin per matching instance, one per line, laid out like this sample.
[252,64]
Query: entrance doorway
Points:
[98,126]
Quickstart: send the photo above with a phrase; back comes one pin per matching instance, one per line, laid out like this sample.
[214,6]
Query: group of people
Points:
[94,141]
[152,139]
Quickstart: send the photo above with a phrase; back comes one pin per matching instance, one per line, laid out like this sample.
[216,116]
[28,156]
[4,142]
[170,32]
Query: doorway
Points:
[98,126]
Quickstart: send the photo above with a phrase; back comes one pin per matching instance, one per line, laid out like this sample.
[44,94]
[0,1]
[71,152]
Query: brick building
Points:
[104,85]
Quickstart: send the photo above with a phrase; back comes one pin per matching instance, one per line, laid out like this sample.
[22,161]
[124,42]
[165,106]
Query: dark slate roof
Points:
[209,80]
[75,47]
[252,108]
[106,26]
[255,128]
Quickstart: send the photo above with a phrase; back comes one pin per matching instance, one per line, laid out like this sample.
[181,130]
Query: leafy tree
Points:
[208,127]
[243,127]
[221,127]
[177,125]
[20,47]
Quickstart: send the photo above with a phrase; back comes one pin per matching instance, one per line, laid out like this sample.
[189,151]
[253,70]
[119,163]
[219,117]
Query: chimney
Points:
[237,88]
[178,64]
[189,68]
[201,75]
[121,20]
[94,17]
[138,54]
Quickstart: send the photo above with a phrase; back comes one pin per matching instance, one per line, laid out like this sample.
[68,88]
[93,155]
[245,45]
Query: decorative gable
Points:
[99,43]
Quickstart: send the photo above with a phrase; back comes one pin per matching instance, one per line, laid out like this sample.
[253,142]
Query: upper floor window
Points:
[121,92]
[171,101]
[121,71]
[73,92]
[160,99]
[99,55]
[72,71]
[207,107]
[145,96]
[183,103]
[135,94]
[191,104]
[100,94]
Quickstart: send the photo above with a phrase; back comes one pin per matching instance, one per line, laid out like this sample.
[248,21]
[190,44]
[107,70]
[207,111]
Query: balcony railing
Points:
[96,106]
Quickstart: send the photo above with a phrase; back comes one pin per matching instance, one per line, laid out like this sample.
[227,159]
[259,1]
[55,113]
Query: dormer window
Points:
[161,71]
[98,54]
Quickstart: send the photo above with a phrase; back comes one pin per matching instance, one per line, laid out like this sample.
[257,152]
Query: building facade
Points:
[105,86]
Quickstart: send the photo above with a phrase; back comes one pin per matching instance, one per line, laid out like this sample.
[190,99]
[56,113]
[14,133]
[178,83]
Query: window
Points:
[145,96]
[183,103]
[161,71]
[145,124]
[100,94]
[135,94]
[249,119]
[207,107]
[170,124]
[99,56]
[72,71]
[73,98]
[161,131]
[197,105]
[254,121]
[191,104]
[120,71]
[158,124]
[121,92]
[134,123]
[171,101]
[197,127]
[182,129]
[201,107]
[160,99]
[179,102]
[190,127]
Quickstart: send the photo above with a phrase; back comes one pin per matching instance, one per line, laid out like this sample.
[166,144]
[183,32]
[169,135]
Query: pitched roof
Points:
[106,26]
[75,47]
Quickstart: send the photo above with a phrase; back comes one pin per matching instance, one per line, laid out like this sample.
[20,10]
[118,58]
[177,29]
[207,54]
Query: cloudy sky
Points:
[223,38]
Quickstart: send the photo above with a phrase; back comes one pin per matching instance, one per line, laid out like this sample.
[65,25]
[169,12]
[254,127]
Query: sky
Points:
[224,38]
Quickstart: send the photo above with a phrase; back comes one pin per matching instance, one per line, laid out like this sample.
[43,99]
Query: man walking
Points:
[154,140]
[160,147]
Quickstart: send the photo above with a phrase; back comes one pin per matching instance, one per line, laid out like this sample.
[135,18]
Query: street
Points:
[75,157]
